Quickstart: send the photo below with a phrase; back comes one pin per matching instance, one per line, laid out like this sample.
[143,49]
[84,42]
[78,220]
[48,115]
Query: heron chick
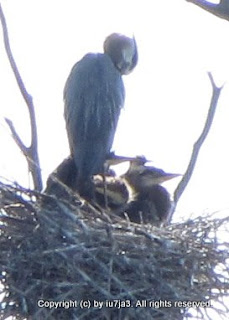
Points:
[150,201]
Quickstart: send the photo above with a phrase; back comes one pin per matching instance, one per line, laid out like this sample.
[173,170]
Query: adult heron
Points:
[94,95]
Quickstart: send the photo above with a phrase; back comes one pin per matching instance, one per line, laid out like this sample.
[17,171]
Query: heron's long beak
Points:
[168,176]
[113,159]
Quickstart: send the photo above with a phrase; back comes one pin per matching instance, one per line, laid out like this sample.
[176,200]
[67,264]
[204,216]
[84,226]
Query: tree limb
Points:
[31,153]
[220,10]
[198,144]
[16,137]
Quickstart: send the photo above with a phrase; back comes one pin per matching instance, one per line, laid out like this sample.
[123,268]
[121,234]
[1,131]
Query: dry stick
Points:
[198,144]
[31,152]
[220,10]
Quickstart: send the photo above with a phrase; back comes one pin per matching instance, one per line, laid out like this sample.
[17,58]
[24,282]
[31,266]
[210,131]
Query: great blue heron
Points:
[150,201]
[110,189]
[111,193]
[137,193]
[94,95]
[63,176]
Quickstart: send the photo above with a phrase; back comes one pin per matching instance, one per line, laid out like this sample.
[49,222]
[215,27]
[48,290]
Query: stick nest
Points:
[67,252]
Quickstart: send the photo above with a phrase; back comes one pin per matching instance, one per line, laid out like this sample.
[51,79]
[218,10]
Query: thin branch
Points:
[198,144]
[220,10]
[31,153]
[16,137]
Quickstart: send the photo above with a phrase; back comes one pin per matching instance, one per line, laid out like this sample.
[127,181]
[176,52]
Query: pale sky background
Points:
[167,95]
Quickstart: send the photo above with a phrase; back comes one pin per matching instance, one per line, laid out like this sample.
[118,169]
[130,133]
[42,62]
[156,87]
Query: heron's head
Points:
[153,176]
[122,51]
[142,177]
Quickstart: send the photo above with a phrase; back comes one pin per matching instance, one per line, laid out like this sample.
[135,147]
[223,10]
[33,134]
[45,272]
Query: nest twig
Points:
[60,259]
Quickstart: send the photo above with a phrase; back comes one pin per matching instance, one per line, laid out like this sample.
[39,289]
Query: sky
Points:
[167,95]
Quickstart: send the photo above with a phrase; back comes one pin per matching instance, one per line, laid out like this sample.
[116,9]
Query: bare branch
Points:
[220,10]
[198,144]
[16,137]
[31,153]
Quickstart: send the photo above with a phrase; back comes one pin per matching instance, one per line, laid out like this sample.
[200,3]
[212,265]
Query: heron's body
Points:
[94,95]
[111,192]
[151,205]
[94,85]
[150,201]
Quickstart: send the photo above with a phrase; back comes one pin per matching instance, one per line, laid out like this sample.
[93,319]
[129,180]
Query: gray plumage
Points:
[94,95]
